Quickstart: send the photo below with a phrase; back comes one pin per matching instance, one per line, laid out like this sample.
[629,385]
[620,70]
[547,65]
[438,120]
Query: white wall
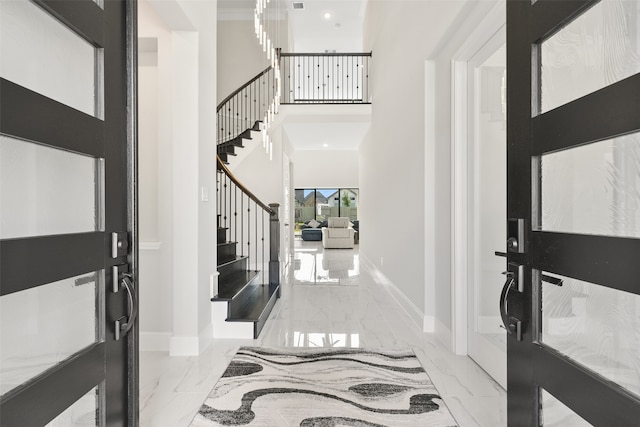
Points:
[156,243]
[408,149]
[326,169]
[402,35]
[177,268]
[240,56]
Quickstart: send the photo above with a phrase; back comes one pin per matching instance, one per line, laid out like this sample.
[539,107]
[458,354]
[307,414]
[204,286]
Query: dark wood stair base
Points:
[234,284]
[255,307]
[247,300]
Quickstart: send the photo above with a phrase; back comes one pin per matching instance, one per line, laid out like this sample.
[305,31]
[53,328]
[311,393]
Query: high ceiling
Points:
[322,25]
[311,28]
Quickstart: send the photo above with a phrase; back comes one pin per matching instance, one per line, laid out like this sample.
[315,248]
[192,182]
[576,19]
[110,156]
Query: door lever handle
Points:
[511,324]
[124,324]
[502,254]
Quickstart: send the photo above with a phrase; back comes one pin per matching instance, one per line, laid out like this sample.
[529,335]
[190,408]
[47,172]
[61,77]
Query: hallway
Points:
[331,299]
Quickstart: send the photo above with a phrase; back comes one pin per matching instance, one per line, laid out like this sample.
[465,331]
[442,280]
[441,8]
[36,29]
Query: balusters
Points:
[329,78]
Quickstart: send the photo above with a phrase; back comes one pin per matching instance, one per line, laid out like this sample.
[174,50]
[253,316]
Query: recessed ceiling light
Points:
[325,145]
[327,15]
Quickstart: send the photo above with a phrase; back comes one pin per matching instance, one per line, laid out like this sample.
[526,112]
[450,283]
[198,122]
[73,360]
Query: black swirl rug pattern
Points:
[324,388]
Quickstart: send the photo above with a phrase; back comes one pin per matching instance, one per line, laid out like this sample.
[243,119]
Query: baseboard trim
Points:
[155,341]
[228,330]
[403,301]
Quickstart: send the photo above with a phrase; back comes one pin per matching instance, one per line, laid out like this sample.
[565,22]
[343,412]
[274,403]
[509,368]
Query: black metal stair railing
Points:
[325,78]
[246,106]
[253,225]
[306,78]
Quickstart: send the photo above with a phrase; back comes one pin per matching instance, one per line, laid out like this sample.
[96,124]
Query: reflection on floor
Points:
[313,265]
[316,310]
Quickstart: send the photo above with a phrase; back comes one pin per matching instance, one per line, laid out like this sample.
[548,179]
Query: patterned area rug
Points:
[324,387]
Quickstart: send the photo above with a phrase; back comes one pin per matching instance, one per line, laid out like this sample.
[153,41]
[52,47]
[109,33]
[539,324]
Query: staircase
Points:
[229,147]
[243,302]
[248,283]
[248,236]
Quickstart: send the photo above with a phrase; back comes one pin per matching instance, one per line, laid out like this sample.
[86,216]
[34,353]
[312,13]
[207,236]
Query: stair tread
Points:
[227,243]
[230,285]
[237,258]
[252,307]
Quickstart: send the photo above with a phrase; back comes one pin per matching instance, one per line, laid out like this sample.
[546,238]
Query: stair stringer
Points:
[250,145]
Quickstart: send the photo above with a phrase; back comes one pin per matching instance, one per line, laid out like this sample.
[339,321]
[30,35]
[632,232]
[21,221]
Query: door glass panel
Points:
[46,191]
[557,414]
[40,327]
[595,50]
[85,412]
[593,189]
[45,56]
[596,326]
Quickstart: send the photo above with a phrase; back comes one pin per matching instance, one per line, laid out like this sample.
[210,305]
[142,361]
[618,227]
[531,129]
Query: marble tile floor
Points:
[350,309]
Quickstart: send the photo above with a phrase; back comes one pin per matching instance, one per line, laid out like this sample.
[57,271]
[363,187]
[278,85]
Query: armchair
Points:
[338,233]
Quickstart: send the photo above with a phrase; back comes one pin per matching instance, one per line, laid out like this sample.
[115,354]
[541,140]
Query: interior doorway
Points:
[487,167]
[479,193]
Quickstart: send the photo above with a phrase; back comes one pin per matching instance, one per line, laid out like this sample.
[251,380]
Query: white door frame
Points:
[489,26]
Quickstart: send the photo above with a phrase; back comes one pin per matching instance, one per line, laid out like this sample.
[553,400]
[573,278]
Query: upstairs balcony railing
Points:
[305,78]
[325,78]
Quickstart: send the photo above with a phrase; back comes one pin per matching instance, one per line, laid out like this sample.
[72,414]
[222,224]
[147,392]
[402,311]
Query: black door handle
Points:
[124,324]
[511,324]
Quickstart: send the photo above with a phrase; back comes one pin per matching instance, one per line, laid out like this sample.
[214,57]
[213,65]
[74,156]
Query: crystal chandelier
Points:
[267,34]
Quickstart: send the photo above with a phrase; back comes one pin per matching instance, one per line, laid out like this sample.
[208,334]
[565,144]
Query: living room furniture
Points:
[312,230]
[312,234]
[338,234]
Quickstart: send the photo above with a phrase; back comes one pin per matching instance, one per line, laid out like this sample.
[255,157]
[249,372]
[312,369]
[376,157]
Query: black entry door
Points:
[68,297]
[574,208]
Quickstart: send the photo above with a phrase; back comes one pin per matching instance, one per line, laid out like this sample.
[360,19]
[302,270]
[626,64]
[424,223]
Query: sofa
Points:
[311,233]
[338,234]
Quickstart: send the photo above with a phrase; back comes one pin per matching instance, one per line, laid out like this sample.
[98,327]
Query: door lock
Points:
[516,234]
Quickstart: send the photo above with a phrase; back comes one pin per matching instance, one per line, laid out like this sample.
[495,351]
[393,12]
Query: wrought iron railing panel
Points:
[243,108]
[325,78]
[249,223]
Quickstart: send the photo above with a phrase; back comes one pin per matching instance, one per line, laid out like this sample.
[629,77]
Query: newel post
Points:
[274,247]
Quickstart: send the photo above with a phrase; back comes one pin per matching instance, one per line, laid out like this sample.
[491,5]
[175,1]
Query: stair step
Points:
[254,304]
[222,235]
[236,141]
[226,252]
[231,285]
[246,134]
[248,306]
[229,150]
[239,263]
